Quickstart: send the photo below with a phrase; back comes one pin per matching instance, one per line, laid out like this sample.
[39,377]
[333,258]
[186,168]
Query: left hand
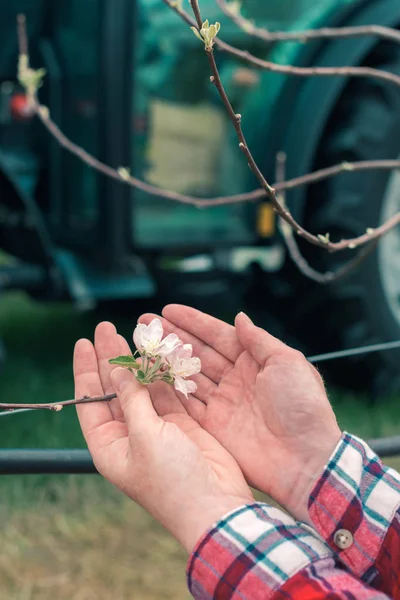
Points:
[166,462]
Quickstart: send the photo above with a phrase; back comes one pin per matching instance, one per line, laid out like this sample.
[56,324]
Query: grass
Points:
[75,537]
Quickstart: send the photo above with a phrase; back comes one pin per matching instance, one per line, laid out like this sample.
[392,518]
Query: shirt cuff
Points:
[353,505]
[251,551]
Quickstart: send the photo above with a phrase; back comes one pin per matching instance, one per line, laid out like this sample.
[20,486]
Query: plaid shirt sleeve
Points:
[258,552]
[358,494]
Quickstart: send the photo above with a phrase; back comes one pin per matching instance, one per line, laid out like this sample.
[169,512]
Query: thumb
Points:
[135,402]
[260,344]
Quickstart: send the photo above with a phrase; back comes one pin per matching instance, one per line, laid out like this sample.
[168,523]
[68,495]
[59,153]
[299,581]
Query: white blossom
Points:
[148,339]
[183,365]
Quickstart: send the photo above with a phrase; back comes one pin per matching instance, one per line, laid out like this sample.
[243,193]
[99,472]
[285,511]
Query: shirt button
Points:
[343,539]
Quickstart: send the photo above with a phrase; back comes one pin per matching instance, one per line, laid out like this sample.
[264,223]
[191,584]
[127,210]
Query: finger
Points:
[215,333]
[206,388]
[260,344]
[194,407]
[108,345]
[139,413]
[88,383]
[124,346]
[165,400]
[213,364]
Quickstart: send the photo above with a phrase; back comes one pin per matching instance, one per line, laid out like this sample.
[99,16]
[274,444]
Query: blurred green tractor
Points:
[128,81]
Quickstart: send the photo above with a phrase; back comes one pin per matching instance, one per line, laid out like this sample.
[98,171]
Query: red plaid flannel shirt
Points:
[258,552]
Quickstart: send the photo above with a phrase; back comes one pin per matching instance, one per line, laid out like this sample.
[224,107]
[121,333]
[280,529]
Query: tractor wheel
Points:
[364,307]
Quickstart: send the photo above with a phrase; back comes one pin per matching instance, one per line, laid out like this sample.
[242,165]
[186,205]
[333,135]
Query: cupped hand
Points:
[261,400]
[166,462]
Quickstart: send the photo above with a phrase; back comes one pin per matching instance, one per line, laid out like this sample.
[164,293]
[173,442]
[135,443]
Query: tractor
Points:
[128,81]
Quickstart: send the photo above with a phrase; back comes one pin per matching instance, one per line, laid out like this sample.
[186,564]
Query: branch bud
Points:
[44,112]
[207,34]
[346,166]
[177,4]
[234,7]
[30,79]
[324,238]
[124,173]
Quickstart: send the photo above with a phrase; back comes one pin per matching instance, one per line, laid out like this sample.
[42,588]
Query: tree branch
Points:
[266,189]
[266,65]
[322,241]
[294,251]
[253,196]
[57,406]
[230,10]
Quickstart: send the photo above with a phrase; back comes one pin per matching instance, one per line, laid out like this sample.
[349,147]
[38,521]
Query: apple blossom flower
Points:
[148,339]
[183,365]
[167,359]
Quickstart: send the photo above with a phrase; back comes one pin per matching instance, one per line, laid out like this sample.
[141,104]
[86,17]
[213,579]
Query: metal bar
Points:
[384,447]
[66,462]
[354,352]
[50,462]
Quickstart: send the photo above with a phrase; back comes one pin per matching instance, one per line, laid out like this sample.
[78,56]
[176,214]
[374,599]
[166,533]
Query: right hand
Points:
[168,464]
[262,401]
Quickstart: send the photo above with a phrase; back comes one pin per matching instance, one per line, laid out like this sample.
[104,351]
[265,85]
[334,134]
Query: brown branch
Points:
[386,33]
[266,65]
[294,251]
[44,115]
[321,241]
[287,232]
[57,406]
[252,196]
[22,35]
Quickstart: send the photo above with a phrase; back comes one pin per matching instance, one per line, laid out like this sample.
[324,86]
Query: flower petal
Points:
[190,366]
[155,331]
[185,351]
[138,335]
[185,387]
[168,345]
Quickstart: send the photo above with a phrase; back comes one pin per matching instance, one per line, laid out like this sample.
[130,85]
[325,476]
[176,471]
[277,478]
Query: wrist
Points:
[309,475]
[196,520]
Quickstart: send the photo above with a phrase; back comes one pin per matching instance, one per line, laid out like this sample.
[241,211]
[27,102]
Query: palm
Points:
[106,432]
[268,408]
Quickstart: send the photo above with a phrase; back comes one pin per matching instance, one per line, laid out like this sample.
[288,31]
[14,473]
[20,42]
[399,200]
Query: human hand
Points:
[261,400]
[168,464]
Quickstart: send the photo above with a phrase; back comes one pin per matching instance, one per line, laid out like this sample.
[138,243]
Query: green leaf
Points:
[196,33]
[125,361]
[140,375]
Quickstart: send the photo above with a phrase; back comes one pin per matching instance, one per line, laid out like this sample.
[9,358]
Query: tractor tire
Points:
[364,307]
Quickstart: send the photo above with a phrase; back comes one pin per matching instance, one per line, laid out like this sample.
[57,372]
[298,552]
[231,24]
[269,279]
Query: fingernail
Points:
[120,378]
[246,317]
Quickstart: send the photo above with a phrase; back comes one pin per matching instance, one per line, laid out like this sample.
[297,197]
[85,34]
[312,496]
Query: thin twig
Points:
[253,196]
[320,241]
[22,35]
[386,33]
[294,251]
[57,406]
[266,65]
[287,231]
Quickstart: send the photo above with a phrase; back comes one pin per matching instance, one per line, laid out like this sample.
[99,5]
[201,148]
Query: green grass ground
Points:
[75,537]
